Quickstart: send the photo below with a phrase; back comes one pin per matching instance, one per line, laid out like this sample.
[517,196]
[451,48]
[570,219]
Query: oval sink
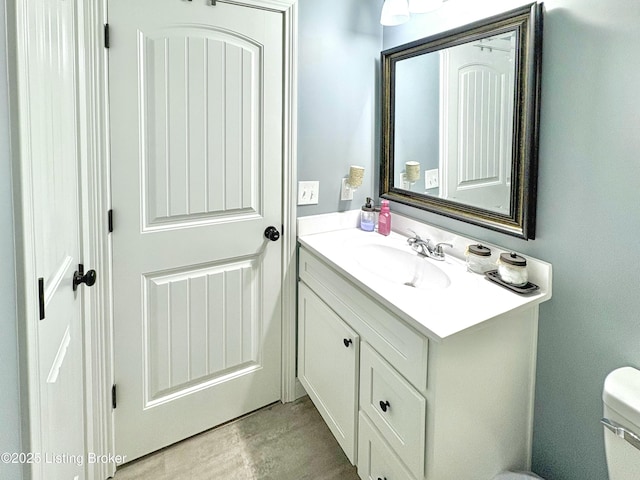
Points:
[401,267]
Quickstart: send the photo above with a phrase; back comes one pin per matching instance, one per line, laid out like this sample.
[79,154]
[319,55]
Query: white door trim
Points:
[27,292]
[95,168]
[289,199]
[97,242]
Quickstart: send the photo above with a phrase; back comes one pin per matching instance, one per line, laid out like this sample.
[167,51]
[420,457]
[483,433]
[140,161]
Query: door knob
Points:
[89,278]
[272,233]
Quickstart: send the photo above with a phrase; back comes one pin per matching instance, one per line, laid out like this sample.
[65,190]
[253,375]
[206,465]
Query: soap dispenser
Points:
[384,219]
[367,216]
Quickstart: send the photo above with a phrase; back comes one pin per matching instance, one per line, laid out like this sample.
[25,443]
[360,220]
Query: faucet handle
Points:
[414,238]
[438,248]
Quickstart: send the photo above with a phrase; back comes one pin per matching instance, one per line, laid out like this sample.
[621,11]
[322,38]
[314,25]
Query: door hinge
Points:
[110,220]
[114,403]
[107,42]
[41,297]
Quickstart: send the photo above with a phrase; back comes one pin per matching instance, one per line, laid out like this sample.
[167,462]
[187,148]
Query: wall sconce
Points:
[351,183]
[397,12]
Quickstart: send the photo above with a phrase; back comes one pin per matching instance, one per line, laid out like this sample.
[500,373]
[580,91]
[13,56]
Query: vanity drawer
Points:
[394,407]
[375,459]
[402,346]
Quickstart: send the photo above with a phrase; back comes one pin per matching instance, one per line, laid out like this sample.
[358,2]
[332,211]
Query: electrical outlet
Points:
[346,192]
[404,184]
[308,193]
[431,178]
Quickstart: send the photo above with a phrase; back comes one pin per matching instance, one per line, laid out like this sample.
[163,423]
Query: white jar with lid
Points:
[512,269]
[479,258]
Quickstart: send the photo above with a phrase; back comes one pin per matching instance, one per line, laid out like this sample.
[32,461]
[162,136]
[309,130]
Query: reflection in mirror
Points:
[460,118]
[457,104]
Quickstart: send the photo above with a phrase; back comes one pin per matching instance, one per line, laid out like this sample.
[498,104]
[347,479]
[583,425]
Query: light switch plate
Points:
[308,192]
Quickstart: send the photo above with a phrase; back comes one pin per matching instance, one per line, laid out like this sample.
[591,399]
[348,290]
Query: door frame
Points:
[95,199]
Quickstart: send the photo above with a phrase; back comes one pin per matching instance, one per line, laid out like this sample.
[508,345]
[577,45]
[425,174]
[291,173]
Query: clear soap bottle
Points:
[367,216]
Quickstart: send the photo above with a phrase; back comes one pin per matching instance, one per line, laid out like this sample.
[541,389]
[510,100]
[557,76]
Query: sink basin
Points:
[401,267]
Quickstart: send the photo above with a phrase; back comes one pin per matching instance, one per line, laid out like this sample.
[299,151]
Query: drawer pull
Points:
[347,342]
[385,478]
[384,405]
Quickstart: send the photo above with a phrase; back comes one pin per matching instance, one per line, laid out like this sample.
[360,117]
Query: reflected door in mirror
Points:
[477,122]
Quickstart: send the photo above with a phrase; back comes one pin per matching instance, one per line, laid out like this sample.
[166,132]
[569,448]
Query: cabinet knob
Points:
[384,405]
[385,478]
[347,342]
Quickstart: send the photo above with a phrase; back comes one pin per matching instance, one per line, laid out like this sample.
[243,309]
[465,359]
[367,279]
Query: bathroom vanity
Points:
[421,369]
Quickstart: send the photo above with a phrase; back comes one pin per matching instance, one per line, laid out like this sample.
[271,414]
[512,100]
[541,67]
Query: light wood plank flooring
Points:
[283,442]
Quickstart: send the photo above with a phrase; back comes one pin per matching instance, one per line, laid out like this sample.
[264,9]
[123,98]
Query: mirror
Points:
[460,122]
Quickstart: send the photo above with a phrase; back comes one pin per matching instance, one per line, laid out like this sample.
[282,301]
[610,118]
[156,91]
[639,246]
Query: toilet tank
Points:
[621,399]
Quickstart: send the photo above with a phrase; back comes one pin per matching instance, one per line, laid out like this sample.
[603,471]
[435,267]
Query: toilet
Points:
[621,421]
[621,399]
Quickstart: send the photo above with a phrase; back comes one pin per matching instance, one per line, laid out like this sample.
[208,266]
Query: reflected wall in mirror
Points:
[460,122]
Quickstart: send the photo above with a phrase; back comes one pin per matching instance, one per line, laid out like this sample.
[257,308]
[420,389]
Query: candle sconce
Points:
[411,174]
[352,182]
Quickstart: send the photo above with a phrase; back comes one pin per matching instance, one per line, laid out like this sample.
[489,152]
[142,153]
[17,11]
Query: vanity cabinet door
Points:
[328,352]
[376,461]
[395,408]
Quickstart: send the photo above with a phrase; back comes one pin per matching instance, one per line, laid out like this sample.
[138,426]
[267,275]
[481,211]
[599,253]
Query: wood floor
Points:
[279,442]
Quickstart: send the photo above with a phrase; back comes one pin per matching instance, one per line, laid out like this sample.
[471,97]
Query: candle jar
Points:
[479,259]
[512,269]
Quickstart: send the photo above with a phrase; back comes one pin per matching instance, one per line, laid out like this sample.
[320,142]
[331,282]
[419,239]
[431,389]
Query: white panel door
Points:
[478,133]
[196,147]
[52,160]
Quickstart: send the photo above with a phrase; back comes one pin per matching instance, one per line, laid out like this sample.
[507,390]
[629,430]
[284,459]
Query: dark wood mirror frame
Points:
[520,222]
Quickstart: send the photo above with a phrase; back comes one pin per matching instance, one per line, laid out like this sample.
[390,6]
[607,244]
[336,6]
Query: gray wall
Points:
[9,397]
[588,223]
[339,49]
[588,215]
[417,115]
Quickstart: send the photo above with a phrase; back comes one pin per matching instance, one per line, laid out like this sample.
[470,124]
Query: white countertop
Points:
[439,313]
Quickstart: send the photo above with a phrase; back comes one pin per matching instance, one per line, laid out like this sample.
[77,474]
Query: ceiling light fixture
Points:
[397,12]
[424,6]
[394,12]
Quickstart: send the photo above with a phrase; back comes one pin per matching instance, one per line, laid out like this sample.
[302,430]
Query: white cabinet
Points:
[394,407]
[413,407]
[376,460]
[328,365]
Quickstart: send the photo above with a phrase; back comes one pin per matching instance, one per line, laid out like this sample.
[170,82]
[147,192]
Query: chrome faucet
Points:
[425,247]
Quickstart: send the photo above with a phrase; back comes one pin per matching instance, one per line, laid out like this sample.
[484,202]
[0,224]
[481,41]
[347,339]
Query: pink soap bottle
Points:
[384,219]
